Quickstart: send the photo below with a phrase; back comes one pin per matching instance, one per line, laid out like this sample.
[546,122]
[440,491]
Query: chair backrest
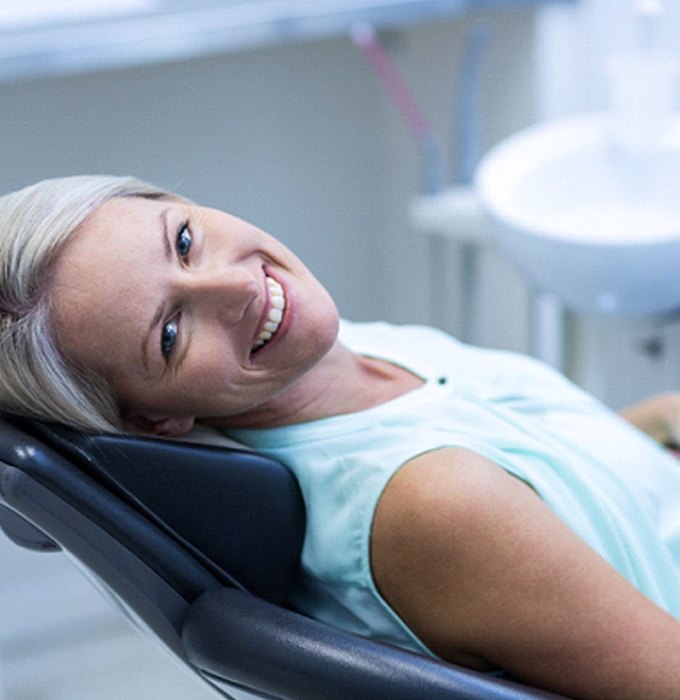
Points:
[158,522]
[238,513]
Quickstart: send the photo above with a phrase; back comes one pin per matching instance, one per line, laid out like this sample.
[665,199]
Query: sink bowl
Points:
[596,225]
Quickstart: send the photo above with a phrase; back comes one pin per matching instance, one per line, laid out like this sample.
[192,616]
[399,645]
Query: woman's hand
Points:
[659,417]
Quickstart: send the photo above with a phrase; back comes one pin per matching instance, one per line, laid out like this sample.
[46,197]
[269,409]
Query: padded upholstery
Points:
[221,515]
[202,544]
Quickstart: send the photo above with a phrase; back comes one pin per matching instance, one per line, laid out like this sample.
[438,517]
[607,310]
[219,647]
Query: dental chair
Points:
[199,546]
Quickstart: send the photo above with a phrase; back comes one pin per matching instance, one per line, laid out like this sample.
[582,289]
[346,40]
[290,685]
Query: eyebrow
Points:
[158,315]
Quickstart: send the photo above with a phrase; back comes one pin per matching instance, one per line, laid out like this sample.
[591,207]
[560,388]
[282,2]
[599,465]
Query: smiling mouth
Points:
[277,305]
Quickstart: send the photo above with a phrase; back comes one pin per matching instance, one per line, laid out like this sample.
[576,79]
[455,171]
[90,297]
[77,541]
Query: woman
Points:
[463,502]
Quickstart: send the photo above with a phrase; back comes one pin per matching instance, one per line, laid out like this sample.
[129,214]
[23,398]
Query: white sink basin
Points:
[599,228]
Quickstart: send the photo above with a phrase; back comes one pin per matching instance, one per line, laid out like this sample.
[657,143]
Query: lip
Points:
[264,314]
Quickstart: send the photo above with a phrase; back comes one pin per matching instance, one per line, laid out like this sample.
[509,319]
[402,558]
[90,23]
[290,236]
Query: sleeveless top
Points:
[616,488]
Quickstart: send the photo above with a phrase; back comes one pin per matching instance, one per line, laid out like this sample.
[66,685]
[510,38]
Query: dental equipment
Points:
[430,211]
[365,37]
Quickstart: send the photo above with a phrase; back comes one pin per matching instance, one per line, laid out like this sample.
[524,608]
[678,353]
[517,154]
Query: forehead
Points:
[109,246]
[133,218]
[103,281]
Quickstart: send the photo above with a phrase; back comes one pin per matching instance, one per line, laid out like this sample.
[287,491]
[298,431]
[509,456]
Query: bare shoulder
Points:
[487,576]
[439,511]
[445,492]
[450,477]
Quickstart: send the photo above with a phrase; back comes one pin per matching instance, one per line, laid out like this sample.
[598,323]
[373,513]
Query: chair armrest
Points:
[239,638]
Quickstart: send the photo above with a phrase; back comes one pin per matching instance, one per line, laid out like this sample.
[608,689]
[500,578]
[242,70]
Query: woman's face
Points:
[189,312]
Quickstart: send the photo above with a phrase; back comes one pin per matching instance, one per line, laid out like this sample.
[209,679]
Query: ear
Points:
[159,426]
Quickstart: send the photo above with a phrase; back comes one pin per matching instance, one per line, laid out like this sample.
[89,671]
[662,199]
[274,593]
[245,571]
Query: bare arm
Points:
[658,416]
[487,576]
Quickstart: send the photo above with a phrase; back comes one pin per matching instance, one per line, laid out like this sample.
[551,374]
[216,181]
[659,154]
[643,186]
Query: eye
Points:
[183,241]
[169,337]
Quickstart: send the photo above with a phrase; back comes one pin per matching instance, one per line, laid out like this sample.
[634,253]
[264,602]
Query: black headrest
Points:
[239,513]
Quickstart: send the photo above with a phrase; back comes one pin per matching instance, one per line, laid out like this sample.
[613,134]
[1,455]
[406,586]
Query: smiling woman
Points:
[462,502]
[186,310]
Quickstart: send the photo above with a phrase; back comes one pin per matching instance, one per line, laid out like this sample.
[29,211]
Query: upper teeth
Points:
[277,305]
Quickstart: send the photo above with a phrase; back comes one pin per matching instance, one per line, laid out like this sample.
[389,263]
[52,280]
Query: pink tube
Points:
[365,38]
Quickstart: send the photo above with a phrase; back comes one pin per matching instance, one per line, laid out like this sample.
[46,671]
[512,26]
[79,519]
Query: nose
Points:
[226,292]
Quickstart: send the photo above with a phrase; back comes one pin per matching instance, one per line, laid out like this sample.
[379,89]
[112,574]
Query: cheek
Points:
[203,369]
[205,374]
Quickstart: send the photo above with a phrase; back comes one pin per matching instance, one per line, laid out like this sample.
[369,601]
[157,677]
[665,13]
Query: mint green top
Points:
[611,484]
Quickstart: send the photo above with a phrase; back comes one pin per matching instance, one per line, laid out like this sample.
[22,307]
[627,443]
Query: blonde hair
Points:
[36,380]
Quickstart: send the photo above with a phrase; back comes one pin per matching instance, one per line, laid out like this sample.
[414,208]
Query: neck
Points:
[340,383]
